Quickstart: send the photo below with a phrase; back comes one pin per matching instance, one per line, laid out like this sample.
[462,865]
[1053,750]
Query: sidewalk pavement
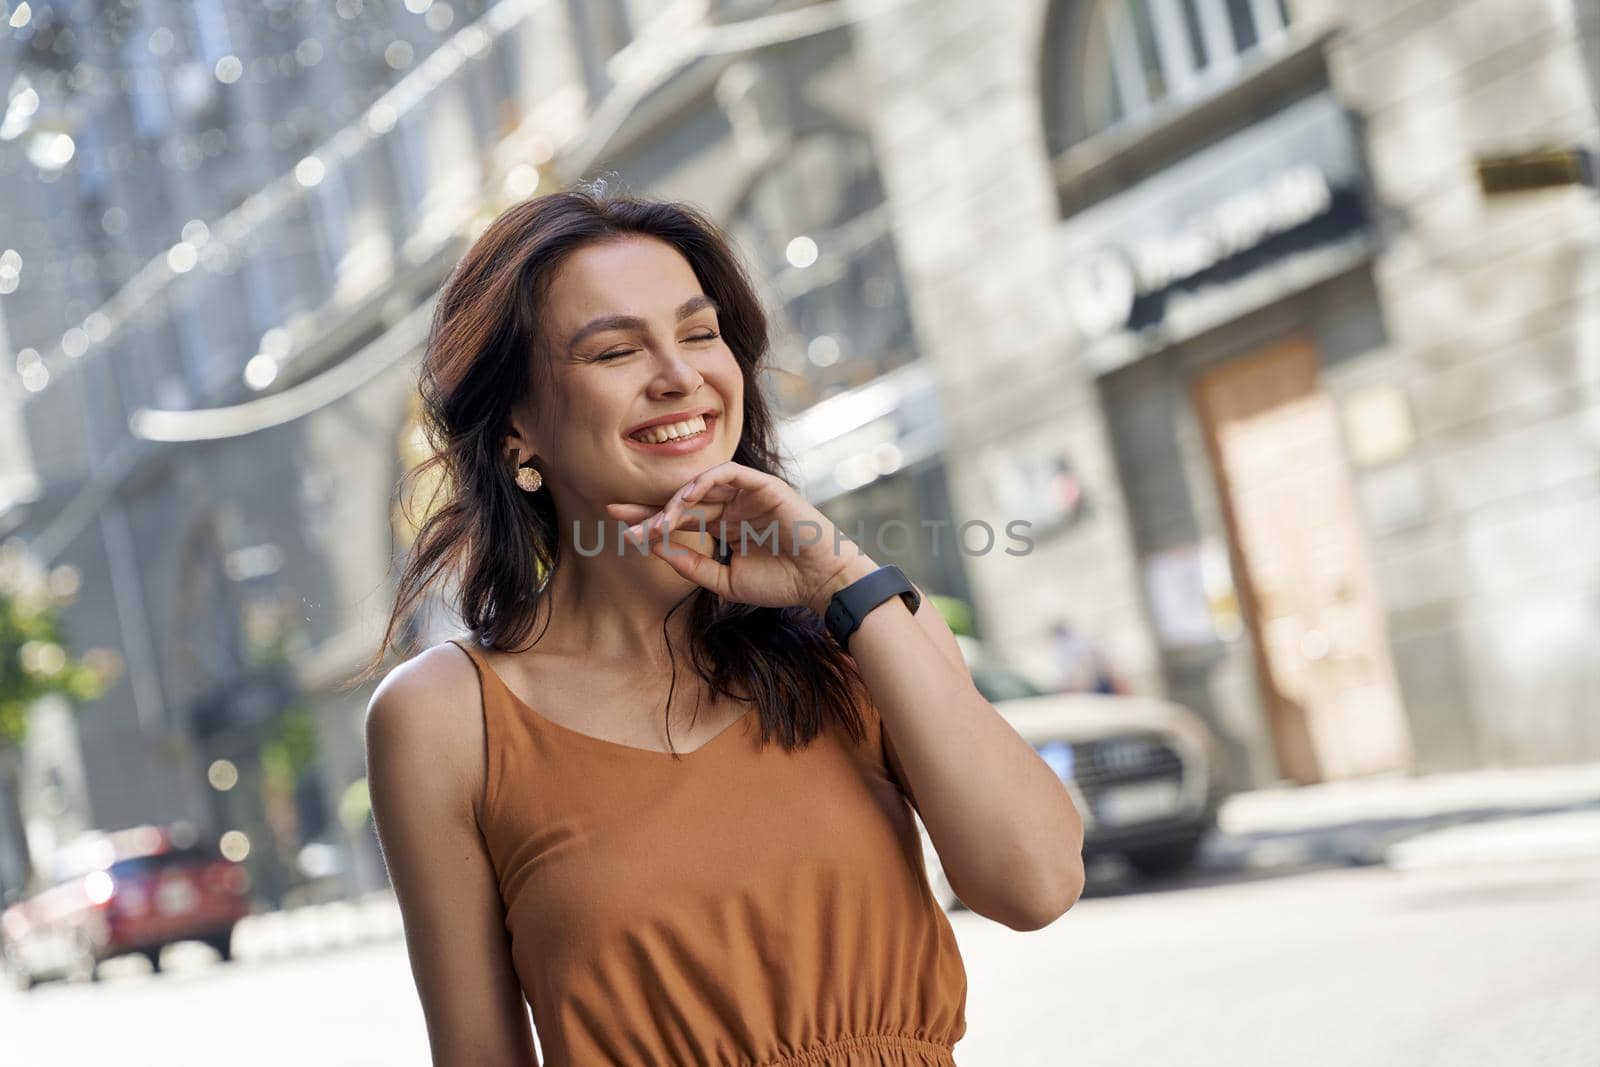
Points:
[1499,816]
[318,927]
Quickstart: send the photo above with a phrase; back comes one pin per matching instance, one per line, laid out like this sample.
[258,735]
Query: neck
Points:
[610,604]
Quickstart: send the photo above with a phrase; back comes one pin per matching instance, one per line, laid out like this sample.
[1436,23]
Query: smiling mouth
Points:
[676,431]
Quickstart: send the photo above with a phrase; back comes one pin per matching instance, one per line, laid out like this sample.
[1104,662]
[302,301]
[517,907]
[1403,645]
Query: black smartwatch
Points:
[851,604]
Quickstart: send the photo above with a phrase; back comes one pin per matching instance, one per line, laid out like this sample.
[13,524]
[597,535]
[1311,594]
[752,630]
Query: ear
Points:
[518,445]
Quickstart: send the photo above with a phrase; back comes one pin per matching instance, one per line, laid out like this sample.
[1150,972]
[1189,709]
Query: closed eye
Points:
[606,357]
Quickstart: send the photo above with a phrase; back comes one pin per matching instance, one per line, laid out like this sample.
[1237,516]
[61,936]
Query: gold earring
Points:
[528,479]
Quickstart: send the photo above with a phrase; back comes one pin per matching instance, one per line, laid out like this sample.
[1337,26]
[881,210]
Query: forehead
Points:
[641,276]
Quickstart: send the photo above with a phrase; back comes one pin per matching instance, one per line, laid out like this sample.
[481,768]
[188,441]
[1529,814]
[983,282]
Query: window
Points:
[1140,54]
[734,10]
[160,862]
[817,227]
[1243,24]
[1195,35]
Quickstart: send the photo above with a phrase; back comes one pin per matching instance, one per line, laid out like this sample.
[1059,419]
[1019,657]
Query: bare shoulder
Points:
[425,770]
[427,716]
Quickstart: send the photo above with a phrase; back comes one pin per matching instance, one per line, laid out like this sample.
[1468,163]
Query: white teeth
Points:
[657,434]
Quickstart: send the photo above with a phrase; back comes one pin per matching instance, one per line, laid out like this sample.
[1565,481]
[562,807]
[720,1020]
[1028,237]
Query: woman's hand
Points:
[784,552]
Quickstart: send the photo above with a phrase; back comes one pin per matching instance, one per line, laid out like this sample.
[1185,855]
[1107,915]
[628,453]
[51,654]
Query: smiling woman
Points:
[595,359]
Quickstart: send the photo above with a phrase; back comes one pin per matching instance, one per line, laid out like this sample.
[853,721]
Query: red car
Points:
[141,891]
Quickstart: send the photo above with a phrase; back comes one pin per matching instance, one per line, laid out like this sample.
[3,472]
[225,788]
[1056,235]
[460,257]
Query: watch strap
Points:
[851,604]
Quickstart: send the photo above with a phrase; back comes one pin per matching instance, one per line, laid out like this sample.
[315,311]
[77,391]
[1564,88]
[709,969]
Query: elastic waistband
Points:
[931,1052]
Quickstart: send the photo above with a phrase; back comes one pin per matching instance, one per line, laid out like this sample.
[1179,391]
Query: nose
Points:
[674,374]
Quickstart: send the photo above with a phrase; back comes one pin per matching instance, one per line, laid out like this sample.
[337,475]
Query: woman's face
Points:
[631,338]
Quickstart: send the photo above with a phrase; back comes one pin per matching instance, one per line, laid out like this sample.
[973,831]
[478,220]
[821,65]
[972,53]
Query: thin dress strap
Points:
[488,687]
[491,727]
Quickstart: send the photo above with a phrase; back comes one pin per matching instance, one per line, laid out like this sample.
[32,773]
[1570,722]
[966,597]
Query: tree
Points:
[34,662]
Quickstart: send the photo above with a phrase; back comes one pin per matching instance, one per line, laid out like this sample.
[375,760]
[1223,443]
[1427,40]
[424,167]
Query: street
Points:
[1460,965]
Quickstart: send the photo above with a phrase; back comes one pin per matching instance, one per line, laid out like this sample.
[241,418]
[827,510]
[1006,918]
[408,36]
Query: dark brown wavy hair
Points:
[501,542]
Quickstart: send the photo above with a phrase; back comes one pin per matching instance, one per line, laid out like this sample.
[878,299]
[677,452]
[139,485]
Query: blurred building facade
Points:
[210,206]
[217,436]
[1305,294]
[1304,421]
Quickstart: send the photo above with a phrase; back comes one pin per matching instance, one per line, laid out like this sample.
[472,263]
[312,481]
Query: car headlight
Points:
[1058,754]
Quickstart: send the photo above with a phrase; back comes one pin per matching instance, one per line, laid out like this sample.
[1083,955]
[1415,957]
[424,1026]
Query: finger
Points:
[727,479]
[696,517]
[693,565]
[755,491]
[652,527]
[687,494]
[629,514]
[751,493]
[696,491]
[719,484]
[695,520]
[636,517]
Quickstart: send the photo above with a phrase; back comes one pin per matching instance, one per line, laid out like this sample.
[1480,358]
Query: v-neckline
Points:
[544,720]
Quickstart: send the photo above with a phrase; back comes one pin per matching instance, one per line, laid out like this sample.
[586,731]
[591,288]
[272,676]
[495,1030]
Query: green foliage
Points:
[957,613]
[355,805]
[290,747]
[34,661]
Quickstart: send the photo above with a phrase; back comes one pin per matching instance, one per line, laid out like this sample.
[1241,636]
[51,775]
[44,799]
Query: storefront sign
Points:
[1103,287]
[1519,172]
[1232,211]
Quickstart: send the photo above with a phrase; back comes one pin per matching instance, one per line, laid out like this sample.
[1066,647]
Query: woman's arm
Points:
[425,769]
[1006,830]
[1008,835]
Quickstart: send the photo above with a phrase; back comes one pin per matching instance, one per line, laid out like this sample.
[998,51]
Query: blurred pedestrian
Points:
[594,360]
[1081,668]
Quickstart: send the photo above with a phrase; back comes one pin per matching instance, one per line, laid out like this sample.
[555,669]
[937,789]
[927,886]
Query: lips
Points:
[690,430]
[667,420]
[678,446]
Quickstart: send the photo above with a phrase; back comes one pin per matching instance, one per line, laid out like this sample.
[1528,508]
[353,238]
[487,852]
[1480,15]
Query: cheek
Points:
[589,417]
[730,378]
[604,396]
[733,411]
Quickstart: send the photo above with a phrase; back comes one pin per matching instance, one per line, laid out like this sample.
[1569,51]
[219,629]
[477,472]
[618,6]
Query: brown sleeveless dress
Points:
[742,906]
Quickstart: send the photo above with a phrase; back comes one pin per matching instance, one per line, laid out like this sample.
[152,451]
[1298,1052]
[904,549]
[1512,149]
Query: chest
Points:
[619,708]
[737,837]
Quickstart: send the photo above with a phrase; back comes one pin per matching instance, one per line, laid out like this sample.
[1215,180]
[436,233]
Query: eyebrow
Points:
[695,303]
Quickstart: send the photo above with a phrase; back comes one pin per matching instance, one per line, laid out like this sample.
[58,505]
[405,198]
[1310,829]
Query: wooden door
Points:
[1320,636]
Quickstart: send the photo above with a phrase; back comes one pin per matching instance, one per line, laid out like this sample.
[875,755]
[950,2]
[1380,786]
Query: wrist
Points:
[853,570]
